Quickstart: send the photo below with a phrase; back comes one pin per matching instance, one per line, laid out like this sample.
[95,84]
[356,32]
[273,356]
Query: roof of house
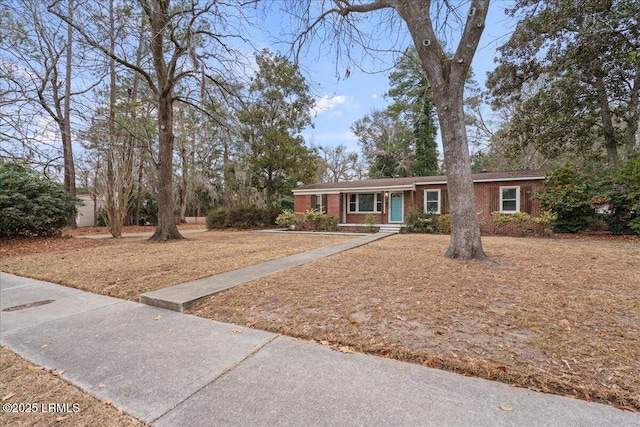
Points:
[390,184]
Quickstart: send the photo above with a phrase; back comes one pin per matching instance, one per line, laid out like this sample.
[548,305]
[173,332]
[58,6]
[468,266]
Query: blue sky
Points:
[341,102]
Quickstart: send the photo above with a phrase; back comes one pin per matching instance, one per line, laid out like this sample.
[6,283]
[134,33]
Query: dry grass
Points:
[21,382]
[557,315]
[560,316]
[127,267]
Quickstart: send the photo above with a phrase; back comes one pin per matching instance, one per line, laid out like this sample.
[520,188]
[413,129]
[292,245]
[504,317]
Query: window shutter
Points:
[494,199]
[324,203]
[444,201]
[525,199]
[312,202]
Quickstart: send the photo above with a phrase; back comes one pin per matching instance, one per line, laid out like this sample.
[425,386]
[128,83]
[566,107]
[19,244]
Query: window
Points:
[509,199]
[365,202]
[317,202]
[432,201]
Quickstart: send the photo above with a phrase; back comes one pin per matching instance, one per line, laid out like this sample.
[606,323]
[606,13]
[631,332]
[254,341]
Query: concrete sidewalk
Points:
[171,369]
[183,295]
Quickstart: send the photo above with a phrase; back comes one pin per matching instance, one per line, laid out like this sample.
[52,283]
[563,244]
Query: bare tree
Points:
[39,62]
[340,164]
[188,40]
[446,74]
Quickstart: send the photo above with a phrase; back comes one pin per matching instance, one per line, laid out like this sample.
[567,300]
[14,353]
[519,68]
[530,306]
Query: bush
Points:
[569,192]
[286,219]
[370,221]
[312,220]
[31,204]
[419,221]
[545,223]
[521,222]
[594,197]
[619,197]
[443,224]
[500,220]
[237,217]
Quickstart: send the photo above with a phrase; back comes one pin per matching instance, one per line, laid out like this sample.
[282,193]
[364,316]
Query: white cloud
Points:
[328,103]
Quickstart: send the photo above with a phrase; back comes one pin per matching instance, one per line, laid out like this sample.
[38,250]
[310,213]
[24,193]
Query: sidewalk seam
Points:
[219,376]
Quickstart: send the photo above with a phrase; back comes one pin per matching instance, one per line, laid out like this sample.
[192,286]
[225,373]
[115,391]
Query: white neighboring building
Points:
[87,212]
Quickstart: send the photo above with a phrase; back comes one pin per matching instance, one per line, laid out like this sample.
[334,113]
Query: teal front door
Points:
[395,207]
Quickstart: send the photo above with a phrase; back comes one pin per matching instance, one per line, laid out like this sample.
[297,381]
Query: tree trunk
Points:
[166,228]
[465,229]
[607,123]
[67,148]
[158,15]
[447,77]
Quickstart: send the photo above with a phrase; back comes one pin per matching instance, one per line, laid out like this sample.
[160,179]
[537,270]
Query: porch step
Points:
[390,228]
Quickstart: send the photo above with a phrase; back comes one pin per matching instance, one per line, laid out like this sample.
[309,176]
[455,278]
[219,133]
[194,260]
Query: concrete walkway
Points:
[173,369]
[182,296]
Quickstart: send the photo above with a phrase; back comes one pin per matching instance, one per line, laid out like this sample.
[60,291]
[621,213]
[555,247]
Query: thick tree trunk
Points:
[465,242]
[158,14]
[166,228]
[447,77]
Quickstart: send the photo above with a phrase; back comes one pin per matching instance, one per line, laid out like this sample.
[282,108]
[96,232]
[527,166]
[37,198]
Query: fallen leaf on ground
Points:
[236,331]
[35,368]
[101,385]
[157,318]
[506,408]
[501,368]
[8,396]
[346,349]
[58,373]
[62,418]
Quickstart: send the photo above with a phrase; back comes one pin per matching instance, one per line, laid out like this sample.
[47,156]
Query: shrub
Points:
[443,224]
[237,217]
[500,220]
[568,192]
[521,222]
[286,219]
[31,204]
[329,223]
[370,220]
[545,223]
[419,221]
[619,197]
[312,220]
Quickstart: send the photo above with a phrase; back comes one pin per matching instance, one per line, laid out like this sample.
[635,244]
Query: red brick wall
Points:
[301,203]
[416,200]
[483,201]
[333,205]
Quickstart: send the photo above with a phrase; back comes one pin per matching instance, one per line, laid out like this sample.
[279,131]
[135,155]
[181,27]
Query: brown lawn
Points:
[561,316]
[22,383]
[557,315]
[127,267]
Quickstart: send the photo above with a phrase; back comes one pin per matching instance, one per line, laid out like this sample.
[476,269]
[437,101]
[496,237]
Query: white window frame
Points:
[318,202]
[377,202]
[512,187]
[437,211]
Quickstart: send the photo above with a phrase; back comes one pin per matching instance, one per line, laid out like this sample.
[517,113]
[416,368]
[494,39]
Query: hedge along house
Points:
[389,200]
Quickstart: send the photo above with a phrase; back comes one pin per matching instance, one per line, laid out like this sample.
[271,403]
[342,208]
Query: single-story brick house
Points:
[391,199]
